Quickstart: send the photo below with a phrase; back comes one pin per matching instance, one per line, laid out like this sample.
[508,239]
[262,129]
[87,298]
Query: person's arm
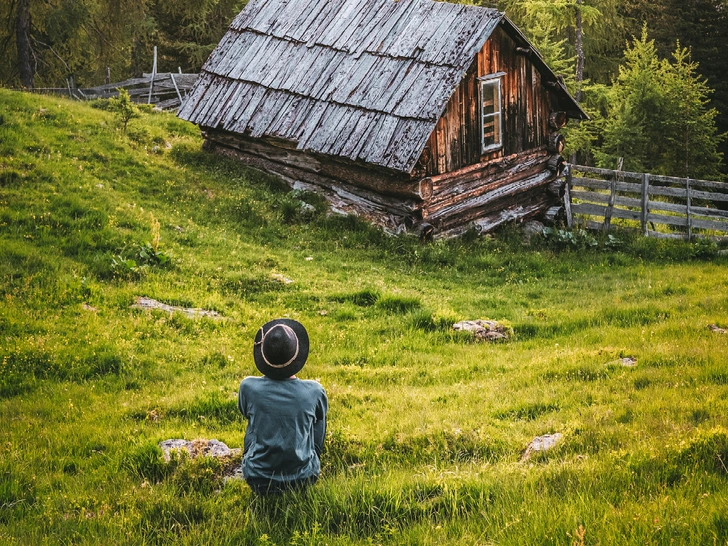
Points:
[319,427]
[242,405]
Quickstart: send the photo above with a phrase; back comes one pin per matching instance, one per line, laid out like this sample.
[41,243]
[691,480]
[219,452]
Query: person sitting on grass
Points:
[286,415]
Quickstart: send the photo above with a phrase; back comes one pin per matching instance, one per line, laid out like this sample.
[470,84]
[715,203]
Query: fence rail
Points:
[646,200]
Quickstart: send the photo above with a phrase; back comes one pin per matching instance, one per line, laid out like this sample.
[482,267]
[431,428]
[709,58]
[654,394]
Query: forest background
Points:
[651,74]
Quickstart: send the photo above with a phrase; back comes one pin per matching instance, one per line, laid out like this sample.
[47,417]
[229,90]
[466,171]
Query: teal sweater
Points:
[286,428]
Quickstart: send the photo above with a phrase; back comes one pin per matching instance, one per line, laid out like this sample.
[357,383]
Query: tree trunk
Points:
[25,51]
[579,45]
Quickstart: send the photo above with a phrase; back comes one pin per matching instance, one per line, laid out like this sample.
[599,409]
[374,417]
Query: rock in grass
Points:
[192,312]
[488,330]
[628,361]
[531,229]
[198,448]
[541,443]
[201,447]
[716,329]
[281,278]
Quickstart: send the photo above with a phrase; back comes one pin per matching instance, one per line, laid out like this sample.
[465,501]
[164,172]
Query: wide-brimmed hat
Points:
[281,348]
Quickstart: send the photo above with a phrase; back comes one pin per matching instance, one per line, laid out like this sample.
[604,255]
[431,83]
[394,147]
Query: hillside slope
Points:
[427,427]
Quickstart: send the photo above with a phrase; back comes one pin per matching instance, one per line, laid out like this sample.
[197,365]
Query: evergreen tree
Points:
[691,132]
[702,27]
[658,118]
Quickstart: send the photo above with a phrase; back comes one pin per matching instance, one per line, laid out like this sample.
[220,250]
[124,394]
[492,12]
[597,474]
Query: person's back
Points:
[286,416]
[286,427]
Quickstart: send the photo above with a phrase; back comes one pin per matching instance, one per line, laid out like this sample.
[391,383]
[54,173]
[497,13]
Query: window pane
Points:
[489,98]
[491,114]
[497,129]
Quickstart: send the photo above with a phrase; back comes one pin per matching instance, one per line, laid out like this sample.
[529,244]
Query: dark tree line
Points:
[43,42]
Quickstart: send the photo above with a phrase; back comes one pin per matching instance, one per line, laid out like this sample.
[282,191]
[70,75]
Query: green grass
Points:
[427,427]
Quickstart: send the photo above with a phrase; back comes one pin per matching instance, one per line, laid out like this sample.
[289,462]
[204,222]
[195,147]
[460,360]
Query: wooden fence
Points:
[686,206]
[164,90]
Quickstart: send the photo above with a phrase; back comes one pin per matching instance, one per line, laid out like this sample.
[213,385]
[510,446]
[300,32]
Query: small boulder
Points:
[488,330]
[531,229]
[716,329]
[281,278]
[191,312]
[628,362]
[201,447]
[541,443]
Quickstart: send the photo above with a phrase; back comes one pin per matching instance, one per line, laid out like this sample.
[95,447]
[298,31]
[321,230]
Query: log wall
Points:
[526,105]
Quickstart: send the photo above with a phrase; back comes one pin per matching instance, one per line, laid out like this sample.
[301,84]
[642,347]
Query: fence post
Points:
[689,210]
[645,203]
[567,197]
[154,73]
[179,95]
[612,196]
[107,80]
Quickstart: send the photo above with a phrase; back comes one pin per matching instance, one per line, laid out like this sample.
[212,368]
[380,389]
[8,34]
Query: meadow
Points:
[426,426]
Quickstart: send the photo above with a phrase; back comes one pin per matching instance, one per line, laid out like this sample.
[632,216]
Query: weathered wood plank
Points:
[352,14]
[681,181]
[495,208]
[244,115]
[593,183]
[683,222]
[230,117]
[605,172]
[316,82]
[293,15]
[662,235]
[596,197]
[476,171]
[367,136]
[379,143]
[523,185]
[402,207]
[567,198]
[598,210]
[645,201]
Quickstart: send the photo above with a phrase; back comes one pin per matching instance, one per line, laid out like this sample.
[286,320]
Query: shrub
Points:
[124,108]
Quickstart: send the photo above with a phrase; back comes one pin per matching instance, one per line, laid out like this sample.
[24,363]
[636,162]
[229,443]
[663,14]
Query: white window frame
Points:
[491,80]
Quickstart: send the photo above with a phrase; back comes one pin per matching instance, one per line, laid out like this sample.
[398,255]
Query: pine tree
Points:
[658,118]
[690,132]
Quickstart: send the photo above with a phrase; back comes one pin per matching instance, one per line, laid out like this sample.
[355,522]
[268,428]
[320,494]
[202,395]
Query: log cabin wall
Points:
[456,141]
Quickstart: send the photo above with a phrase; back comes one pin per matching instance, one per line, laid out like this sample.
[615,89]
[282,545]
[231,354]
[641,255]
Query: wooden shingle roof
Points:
[362,79]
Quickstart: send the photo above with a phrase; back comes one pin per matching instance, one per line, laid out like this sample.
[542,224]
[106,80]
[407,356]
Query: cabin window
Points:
[490,112]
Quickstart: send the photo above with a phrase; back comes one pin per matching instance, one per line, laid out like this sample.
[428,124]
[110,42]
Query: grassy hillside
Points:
[426,427]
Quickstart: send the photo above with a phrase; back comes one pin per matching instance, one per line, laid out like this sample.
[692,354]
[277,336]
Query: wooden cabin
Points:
[411,113]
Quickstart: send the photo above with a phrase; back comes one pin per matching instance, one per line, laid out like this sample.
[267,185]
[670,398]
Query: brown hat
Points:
[281,348]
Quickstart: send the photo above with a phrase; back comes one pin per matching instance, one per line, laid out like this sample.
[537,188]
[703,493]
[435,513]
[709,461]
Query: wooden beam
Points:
[385,204]
[689,216]
[285,153]
[567,198]
[151,80]
[645,202]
